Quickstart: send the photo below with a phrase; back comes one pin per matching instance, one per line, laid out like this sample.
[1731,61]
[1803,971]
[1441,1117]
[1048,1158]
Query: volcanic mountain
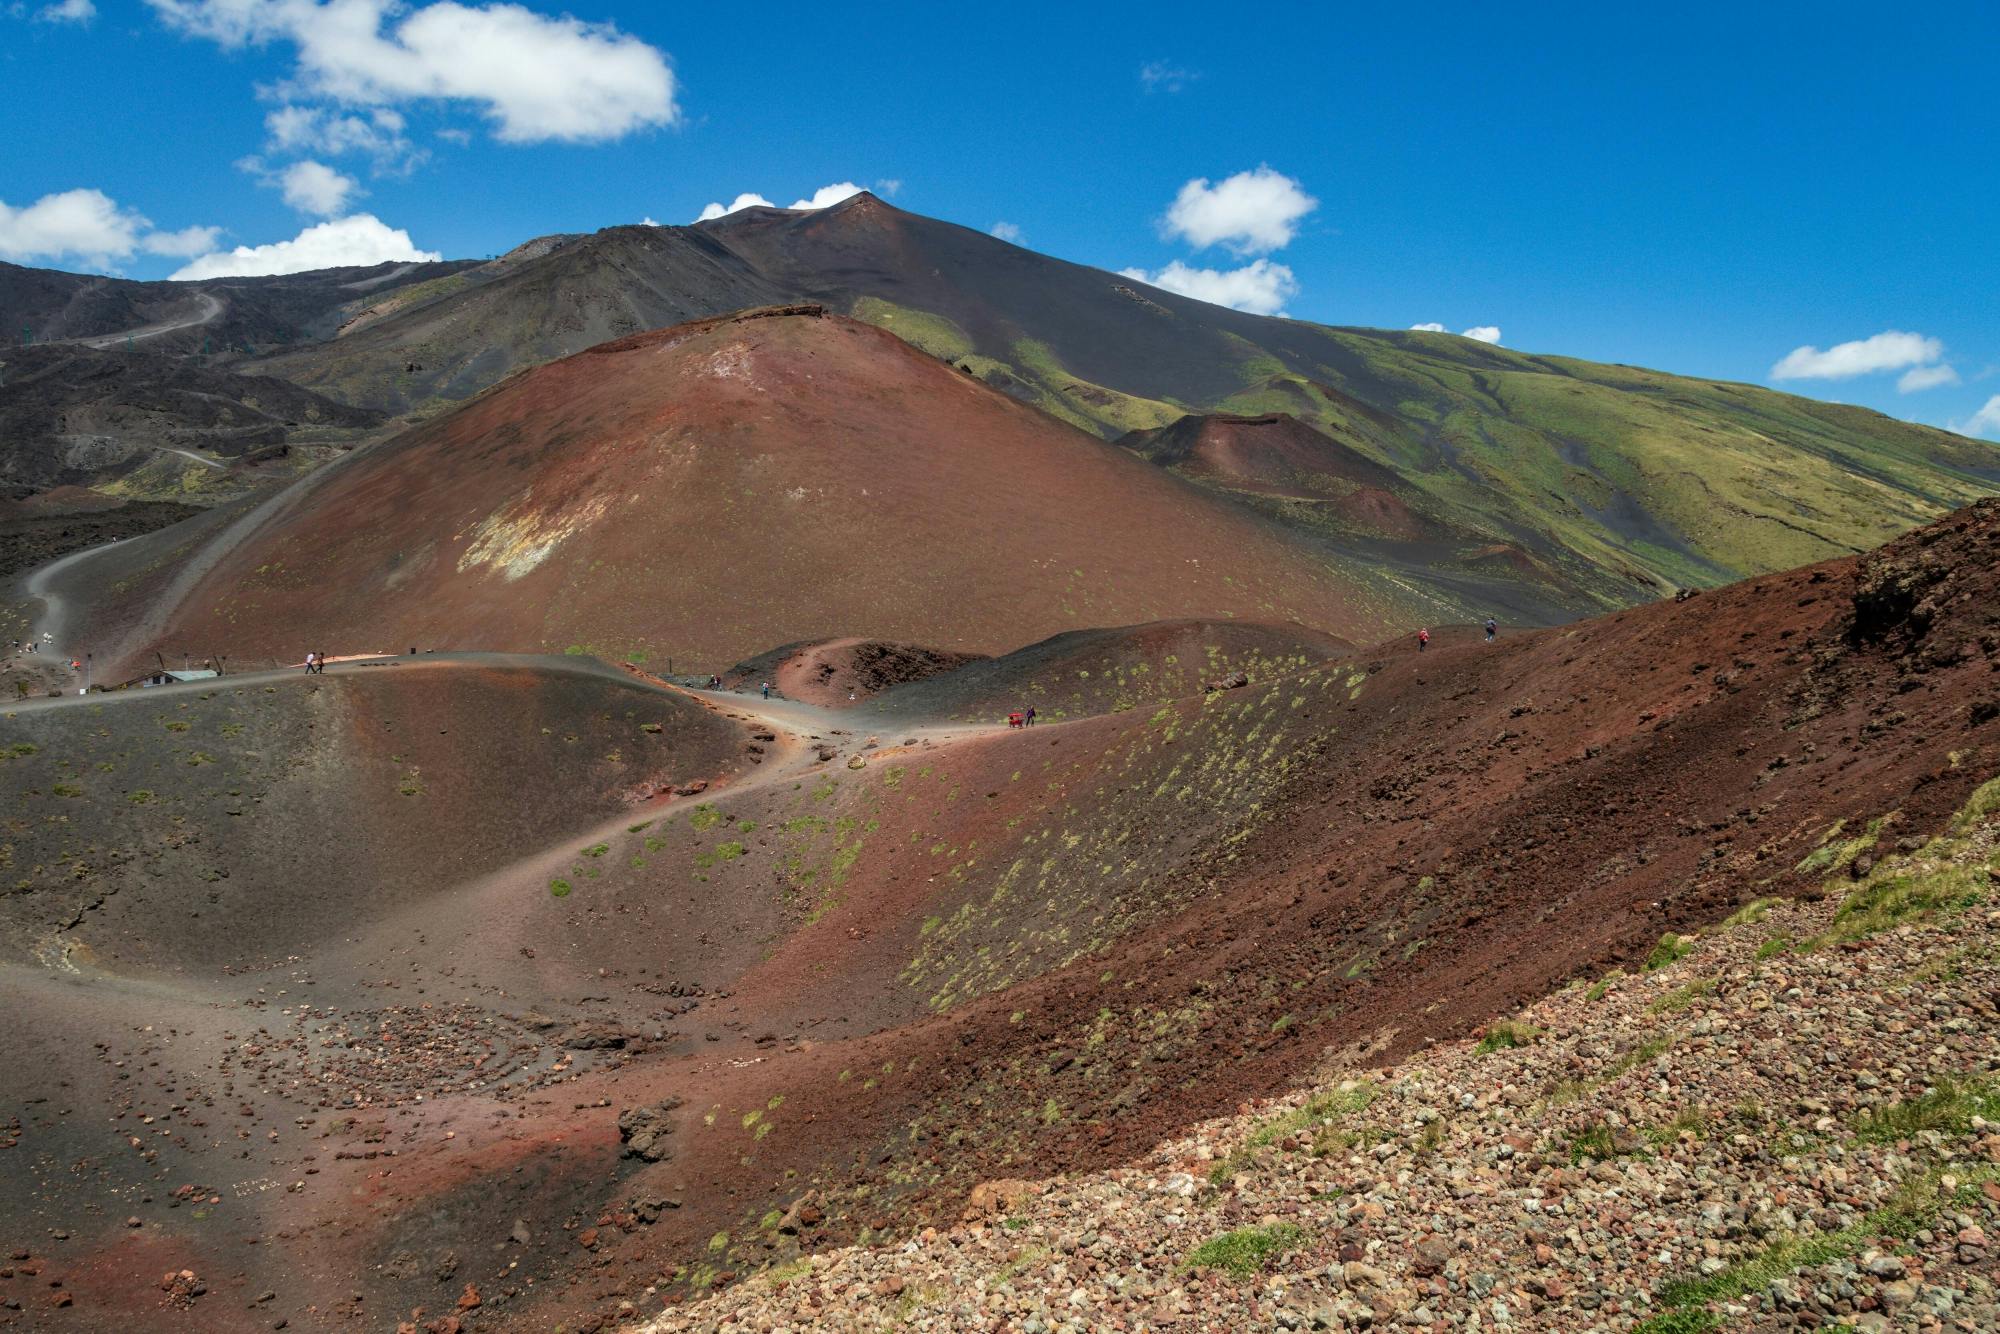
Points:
[1611,483]
[704,492]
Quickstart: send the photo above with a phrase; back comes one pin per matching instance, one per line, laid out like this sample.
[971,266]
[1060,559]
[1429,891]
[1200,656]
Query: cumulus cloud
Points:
[181,244]
[315,188]
[380,134]
[1984,422]
[90,226]
[67,11]
[1926,377]
[824,197]
[742,201]
[358,240]
[829,195]
[1890,350]
[1252,212]
[1259,287]
[535,78]
[1165,76]
[1484,333]
[1007,231]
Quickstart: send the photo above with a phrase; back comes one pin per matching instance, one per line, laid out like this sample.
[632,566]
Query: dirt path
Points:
[54,618]
[190,454]
[211,310]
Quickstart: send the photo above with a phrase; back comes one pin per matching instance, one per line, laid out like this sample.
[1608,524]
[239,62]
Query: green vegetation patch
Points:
[1914,1208]
[1948,1108]
[1247,1251]
[1505,1035]
[1322,1112]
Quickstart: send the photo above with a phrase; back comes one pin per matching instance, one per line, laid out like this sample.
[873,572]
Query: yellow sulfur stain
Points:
[516,538]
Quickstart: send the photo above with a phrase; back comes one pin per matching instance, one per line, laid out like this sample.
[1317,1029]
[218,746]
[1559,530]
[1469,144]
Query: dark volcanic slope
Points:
[73,416]
[236,822]
[711,490]
[529,310]
[224,317]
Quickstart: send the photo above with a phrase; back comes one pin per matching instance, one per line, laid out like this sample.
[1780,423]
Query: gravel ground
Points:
[1791,1122]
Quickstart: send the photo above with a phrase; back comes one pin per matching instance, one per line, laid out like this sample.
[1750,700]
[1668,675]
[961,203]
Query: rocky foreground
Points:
[1792,1121]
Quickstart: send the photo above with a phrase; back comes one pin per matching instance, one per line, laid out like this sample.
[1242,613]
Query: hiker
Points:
[767,690]
[1492,629]
[309,662]
[1016,719]
[1423,640]
[1031,715]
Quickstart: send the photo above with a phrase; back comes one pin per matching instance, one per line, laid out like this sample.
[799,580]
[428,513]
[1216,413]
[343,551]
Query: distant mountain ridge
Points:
[1538,487]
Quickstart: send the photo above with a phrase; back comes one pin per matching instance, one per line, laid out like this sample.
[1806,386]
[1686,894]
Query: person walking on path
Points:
[1492,629]
[1423,640]
[767,690]
[1031,715]
[309,662]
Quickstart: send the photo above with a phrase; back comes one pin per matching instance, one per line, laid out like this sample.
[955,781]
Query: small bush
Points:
[1894,899]
[1671,949]
[560,888]
[1948,1107]
[1247,1251]
[1505,1035]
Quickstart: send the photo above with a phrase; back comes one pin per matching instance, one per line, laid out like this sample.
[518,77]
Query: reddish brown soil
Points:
[986,953]
[837,673]
[1278,456]
[1111,670]
[701,493]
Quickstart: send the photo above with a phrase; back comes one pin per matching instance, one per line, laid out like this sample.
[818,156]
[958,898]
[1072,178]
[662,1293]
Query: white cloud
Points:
[1926,377]
[1251,212]
[1007,231]
[742,201]
[534,77]
[1260,287]
[302,129]
[67,11]
[829,195]
[90,226]
[650,221]
[1890,350]
[315,188]
[889,187]
[1483,333]
[358,240]
[824,197]
[1984,422]
[181,244]
[1164,74]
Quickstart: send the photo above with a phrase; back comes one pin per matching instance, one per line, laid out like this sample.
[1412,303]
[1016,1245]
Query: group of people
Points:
[1022,717]
[29,645]
[1492,633]
[316,663]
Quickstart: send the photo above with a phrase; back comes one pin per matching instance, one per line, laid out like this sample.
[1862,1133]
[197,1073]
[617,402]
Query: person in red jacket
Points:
[1423,640]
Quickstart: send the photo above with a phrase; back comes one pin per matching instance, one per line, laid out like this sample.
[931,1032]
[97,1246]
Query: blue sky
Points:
[1707,190]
